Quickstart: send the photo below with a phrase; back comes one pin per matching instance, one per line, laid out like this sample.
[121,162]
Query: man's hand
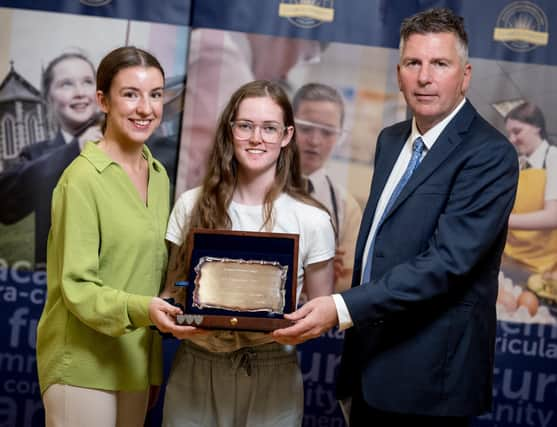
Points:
[311,320]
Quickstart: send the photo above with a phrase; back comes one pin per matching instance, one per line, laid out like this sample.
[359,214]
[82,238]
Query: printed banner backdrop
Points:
[350,46]
[376,23]
[29,41]
[22,295]
[512,62]
[174,12]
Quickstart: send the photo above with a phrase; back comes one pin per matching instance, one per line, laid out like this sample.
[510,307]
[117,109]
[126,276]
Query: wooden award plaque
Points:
[240,280]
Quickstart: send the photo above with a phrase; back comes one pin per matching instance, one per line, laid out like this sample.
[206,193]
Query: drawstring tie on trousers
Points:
[244,361]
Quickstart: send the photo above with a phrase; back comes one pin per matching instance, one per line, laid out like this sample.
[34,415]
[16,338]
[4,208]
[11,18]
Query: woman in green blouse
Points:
[106,260]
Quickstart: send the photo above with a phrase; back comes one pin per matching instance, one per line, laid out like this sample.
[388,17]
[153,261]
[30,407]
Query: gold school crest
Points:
[307,13]
[522,26]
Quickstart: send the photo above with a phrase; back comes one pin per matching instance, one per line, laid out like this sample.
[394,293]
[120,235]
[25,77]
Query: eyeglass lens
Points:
[270,132]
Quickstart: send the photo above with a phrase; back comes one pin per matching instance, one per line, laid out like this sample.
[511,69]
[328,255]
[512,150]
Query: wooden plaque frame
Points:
[244,245]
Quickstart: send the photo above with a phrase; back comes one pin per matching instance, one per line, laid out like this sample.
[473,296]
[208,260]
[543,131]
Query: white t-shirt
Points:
[547,154]
[316,244]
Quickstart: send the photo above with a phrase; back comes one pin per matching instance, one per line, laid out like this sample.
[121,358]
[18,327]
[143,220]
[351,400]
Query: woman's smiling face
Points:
[134,104]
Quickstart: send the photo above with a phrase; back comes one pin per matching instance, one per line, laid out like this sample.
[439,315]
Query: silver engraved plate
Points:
[240,285]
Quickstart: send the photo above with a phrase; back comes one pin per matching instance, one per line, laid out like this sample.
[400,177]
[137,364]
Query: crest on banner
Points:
[307,13]
[522,26]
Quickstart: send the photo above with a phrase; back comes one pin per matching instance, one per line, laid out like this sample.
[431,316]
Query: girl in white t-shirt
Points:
[253,183]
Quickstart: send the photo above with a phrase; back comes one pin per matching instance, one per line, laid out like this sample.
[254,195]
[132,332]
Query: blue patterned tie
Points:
[417,150]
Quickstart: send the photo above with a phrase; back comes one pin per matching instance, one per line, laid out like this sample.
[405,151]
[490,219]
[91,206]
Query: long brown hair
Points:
[219,183]
[210,210]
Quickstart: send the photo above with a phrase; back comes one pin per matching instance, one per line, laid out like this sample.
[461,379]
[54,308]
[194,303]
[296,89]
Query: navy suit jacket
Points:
[424,326]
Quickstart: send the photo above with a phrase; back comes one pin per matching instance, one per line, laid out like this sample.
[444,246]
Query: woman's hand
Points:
[163,315]
[184,332]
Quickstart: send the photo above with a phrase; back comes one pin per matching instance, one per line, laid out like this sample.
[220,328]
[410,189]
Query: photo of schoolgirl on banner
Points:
[49,111]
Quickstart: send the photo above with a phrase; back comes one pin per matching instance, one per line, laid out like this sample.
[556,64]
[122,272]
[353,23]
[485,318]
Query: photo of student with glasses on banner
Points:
[253,183]
[319,117]
[97,358]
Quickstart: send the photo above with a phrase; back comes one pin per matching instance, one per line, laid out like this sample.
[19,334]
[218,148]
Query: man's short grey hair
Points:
[436,20]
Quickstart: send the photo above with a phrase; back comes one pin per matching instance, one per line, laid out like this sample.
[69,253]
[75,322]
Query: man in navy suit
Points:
[420,316]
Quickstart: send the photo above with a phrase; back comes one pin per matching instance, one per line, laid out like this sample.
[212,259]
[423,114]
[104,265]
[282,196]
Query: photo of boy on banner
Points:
[319,115]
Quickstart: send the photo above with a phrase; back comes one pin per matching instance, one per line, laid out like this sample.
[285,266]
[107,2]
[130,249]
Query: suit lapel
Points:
[387,155]
[449,139]
[390,149]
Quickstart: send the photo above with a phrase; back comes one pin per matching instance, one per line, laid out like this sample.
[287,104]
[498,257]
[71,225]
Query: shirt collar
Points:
[537,157]
[431,135]
[68,137]
[319,174]
[101,161]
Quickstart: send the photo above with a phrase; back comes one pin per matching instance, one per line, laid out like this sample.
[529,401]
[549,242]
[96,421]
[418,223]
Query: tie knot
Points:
[418,145]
